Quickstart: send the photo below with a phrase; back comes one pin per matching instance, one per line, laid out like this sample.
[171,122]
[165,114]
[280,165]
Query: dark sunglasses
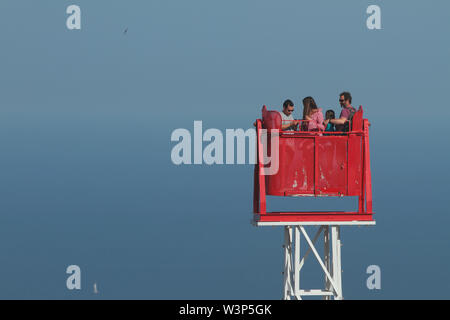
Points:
[341,100]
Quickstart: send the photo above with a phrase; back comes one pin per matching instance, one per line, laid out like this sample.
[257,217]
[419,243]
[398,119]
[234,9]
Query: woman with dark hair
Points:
[313,115]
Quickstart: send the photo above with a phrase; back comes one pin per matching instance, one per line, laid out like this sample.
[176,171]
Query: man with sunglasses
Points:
[347,112]
[288,122]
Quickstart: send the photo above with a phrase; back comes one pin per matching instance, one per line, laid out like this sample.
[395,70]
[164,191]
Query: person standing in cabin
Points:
[347,112]
[288,123]
[312,115]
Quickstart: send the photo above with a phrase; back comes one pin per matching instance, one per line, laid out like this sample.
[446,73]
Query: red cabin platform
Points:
[314,164]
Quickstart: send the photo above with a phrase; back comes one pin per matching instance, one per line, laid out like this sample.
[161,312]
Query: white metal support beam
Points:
[331,264]
[287,273]
[302,262]
[327,258]
[297,264]
[337,269]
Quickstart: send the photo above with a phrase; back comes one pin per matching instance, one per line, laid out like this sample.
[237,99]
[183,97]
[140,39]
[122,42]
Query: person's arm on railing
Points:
[288,125]
[341,120]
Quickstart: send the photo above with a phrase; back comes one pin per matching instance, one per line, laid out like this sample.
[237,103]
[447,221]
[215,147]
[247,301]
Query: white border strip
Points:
[313,223]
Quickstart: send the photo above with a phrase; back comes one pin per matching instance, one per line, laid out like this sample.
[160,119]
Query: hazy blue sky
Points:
[86,117]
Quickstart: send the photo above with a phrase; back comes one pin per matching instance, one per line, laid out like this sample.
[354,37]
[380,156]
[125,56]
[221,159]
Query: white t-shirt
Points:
[285,119]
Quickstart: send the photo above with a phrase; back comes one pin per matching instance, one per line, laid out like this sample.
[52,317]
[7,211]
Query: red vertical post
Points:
[363,170]
[316,166]
[261,176]
[256,188]
[346,165]
[367,173]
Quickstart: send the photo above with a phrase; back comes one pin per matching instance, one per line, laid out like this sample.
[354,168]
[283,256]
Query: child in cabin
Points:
[330,115]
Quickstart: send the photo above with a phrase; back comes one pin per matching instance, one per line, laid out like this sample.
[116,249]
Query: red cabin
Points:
[314,164]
